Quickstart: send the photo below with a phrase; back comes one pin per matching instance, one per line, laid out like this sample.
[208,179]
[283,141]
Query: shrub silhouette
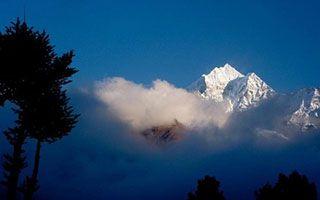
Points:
[293,187]
[32,77]
[207,189]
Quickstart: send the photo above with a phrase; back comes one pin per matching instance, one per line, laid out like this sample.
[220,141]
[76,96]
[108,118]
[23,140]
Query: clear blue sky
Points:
[177,41]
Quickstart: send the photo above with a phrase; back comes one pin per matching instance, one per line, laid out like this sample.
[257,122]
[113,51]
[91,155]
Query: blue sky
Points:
[179,40]
[142,40]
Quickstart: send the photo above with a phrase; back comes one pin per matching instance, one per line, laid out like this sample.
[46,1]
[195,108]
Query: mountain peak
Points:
[211,86]
[307,115]
[254,79]
[227,66]
[224,71]
[252,75]
[227,84]
[248,91]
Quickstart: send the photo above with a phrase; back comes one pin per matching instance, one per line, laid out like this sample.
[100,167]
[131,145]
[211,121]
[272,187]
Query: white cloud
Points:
[142,107]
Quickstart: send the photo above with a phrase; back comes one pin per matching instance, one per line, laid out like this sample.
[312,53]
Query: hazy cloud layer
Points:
[102,159]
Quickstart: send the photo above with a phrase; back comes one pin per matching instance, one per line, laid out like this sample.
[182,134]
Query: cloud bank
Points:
[143,107]
[102,159]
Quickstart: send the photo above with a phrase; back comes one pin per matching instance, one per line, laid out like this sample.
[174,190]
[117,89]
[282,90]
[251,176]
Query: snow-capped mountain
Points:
[248,91]
[227,84]
[241,92]
[279,116]
[307,116]
[212,85]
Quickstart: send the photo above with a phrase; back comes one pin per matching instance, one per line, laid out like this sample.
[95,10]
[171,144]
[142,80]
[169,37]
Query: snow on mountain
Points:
[248,91]
[279,116]
[227,84]
[240,92]
[307,116]
[212,85]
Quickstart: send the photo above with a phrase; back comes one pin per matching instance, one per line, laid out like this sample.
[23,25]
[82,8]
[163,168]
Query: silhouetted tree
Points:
[32,77]
[13,164]
[207,189]
[52,120]
[293,187]
[15,48]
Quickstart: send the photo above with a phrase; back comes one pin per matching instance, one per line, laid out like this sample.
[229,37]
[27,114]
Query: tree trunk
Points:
[36,161]
[13,178]
[31,183]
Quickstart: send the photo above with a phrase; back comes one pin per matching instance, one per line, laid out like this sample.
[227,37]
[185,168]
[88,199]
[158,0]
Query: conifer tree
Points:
[293,187]
[32,77]
[207,189]
[52,120]
[15,162]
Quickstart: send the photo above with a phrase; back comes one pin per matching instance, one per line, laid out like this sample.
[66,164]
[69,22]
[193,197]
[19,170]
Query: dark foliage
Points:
[293,187]
[29,65]
[32,77]
[207,189]
[13,164]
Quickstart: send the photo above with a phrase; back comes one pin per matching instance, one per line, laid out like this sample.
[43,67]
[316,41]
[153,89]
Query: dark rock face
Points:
[165,133]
